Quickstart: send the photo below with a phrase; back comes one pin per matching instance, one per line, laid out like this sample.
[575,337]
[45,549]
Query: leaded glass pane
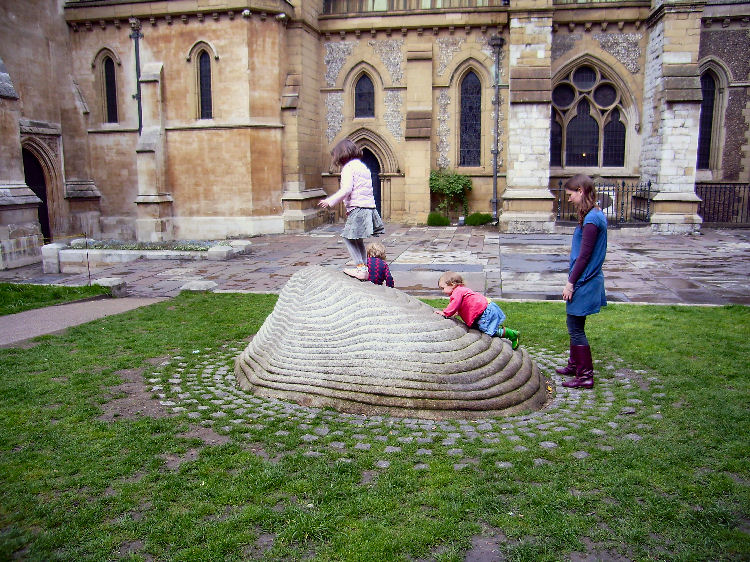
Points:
[563,95]
[605,95]
[204,81]
[613,153]
[364,97]
[471,124]
[582,138]
[110,89]
[584,77]
[555,142]
[705,127]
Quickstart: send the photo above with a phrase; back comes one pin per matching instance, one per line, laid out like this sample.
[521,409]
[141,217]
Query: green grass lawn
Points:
[666,431]
[19,297]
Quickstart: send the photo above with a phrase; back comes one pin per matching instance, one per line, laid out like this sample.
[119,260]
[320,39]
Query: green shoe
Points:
[513,335]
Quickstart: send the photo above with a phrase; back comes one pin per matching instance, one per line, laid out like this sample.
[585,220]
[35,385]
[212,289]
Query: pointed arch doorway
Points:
[371,161]
[35,179]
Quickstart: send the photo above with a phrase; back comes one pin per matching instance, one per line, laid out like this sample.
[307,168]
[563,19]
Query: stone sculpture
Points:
[363,348]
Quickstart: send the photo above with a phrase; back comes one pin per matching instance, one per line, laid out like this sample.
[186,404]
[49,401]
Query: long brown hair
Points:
[344,151]
[586,185]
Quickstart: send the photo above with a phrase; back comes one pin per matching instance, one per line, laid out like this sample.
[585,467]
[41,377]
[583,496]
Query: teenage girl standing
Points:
[362,218]
[584,291]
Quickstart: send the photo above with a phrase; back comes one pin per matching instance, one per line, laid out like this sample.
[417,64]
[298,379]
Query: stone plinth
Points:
[333,341]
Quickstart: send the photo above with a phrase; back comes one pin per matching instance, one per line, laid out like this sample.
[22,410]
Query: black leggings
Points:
[576,331]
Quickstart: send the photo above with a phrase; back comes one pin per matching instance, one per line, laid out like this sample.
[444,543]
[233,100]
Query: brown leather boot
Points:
[584,368]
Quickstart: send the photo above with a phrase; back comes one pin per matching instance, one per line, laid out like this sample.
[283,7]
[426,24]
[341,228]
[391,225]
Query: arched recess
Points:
[479,60]
[350,82]
[203,79]
[633,115]
[460,73]
[387,163]
[594,119]
[720,73]
[52,184]
[365,138]
[199,46]
[108,83]
[105,52]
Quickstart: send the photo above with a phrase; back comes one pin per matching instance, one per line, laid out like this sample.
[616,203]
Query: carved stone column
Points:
[418,149]
[154,202]
[671,108]
[21,237]
[527,201]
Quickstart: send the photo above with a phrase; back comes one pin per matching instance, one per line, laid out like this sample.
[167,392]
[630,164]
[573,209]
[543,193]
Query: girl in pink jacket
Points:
[476,310]
[362,218]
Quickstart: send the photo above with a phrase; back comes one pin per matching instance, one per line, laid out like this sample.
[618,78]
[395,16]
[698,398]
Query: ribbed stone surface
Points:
[363,348]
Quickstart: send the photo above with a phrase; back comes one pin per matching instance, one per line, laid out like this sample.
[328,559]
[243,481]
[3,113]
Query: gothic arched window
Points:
[587,128]
[364,97]
[110,91]
[205,100]
[706,123]
[471,123]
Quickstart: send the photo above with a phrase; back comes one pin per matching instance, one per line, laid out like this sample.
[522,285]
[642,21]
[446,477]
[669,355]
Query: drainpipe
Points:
[135,25]
[496,43]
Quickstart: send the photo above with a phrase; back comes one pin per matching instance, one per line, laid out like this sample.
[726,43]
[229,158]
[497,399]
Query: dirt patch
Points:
[158,361]
[368,477]
[205,434]
[262,544]
[597,553]
[175,461]
[487,547]
[137,402]
[133,547]
[258,450]
[637,378]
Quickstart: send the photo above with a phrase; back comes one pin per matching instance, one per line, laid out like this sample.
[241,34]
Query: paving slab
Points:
[710,268]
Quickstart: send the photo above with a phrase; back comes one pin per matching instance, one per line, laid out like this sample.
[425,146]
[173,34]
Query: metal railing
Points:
[334,7]
[622,203]
[724,204]
[564,2]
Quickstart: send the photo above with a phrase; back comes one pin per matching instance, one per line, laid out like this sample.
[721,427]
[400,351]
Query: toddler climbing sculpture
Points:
[362,348]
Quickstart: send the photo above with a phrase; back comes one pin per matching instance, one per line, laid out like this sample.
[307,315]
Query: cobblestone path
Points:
[622,406]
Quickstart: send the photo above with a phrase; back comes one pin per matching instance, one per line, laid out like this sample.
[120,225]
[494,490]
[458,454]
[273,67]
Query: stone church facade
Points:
[206,119]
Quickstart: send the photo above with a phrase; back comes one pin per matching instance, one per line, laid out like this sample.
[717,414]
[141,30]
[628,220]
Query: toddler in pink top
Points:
[476,310]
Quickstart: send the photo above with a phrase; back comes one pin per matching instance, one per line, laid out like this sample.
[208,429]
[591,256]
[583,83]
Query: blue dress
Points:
[588,293]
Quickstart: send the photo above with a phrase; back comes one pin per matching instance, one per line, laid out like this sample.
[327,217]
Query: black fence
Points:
[724,204]
[622,203]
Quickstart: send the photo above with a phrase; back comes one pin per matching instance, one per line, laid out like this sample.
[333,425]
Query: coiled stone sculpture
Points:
[363,348]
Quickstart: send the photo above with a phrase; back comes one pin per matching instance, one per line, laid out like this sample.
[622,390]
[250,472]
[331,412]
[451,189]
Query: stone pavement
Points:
[710,268]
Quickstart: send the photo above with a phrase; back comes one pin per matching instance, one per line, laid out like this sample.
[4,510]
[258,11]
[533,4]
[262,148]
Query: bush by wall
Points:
[437,219]
[453,189]
[478,219]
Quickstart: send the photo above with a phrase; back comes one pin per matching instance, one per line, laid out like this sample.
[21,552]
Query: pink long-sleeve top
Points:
[356,187]
[467,303]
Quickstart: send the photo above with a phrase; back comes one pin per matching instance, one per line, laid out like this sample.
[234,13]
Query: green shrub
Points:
[478,219]
[437,219]
[454,189]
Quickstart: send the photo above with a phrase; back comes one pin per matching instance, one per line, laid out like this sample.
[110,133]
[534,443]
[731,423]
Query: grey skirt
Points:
[363,223]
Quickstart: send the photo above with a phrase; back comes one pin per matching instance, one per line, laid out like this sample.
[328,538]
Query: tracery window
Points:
[364,97]
[470,128]
[204,86]
[110,90]
[587,127]
[706,123]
